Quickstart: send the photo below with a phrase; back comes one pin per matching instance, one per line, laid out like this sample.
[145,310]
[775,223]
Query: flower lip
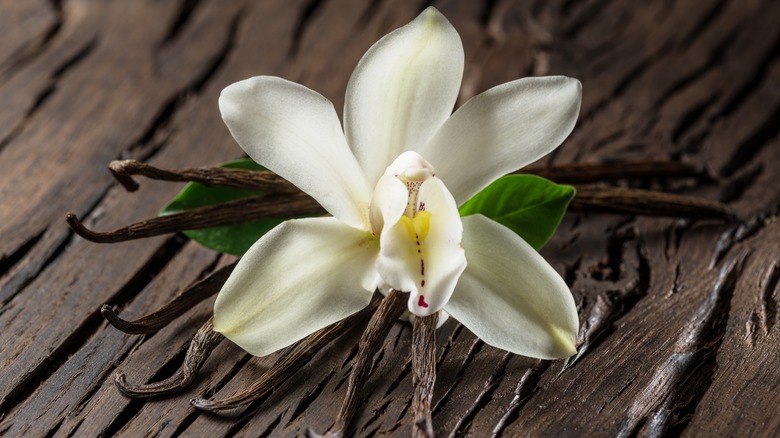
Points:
[395,194]
[420,234]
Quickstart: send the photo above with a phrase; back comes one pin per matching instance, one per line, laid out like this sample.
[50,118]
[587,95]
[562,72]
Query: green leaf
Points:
[230,239]
[529,205]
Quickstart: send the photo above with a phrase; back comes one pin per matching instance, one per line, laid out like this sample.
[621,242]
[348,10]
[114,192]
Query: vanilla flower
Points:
[393,180]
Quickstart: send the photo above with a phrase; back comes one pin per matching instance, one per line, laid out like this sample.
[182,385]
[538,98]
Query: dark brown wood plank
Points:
[78,132]
[69,390]
[84,82]
[27,26]
[71,297]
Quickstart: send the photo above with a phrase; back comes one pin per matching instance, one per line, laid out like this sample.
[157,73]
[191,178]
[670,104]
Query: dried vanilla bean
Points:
[227,213]
[182,303]
[391,308]
[204,342]
[295,356]
[577,173]
[648,203]
[263,181]
[289,201]
[570,173]
[423,373]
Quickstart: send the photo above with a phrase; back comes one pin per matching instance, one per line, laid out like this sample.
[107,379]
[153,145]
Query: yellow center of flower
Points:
[418,226]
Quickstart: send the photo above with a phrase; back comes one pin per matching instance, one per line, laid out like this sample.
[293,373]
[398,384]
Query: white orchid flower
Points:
[392,180]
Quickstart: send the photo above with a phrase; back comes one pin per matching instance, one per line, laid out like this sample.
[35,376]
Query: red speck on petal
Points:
[421,302]
[422,267]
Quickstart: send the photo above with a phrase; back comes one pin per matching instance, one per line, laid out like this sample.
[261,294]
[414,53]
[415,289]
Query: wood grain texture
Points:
[679,319]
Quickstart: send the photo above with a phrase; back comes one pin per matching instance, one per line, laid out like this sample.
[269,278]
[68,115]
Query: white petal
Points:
[430,270]
[502,130]
[398,263]
[402,91]
[300,277]
[295,132]
[388,202]
[510,297]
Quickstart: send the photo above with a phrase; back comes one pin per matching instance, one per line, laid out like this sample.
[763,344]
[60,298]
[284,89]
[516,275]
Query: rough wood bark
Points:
[679,318]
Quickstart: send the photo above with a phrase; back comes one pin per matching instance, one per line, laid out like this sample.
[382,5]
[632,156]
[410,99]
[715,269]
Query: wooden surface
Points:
[680,330]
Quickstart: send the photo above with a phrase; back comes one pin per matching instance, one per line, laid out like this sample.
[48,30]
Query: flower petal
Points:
[300,277]
[388,202]
[502,130]
[402,91]
[510,297]
[295,132]
[428,270]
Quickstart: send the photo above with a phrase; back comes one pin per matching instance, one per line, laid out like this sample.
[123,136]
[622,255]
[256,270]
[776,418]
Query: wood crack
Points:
[620,86]
[407,369]
[8,261]
[271,427]
[148,139]
[523,391]
[198,351]
[180,304]
[368,14]
[33,49]
[689,119]
[665,404]
[59,72]
[180,19]
[736,187]
[446,350]
[376,414]
[34,262]
[768,308]
[707,19]
[250,411]
[481,401]
[613,305]
[584,16]
[310,396]
[751,146]
[715,59]
[55,241]
[476,347]
[90,325]
[193,415]
[754,81]
[82,403]
[304,18]
[741,232]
